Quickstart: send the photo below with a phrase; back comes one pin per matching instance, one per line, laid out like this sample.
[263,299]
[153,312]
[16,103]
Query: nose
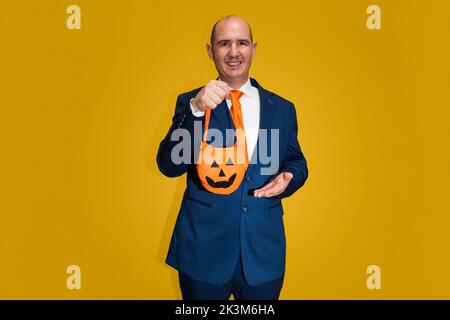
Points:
[234,50]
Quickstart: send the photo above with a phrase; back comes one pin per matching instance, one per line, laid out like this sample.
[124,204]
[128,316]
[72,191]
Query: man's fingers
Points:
[267,186]
[222,84]
[214,93]
[271,190]
[268,192]
[274,191]
[210,103]
[225,87]
[260,192]
[216,97]
[274,187]
[220,92]
[287,175]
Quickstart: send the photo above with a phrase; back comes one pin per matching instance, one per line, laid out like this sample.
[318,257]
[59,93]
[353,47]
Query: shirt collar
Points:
[246,88]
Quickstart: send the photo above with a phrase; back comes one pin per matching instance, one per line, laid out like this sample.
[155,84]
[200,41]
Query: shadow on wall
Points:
[158,134]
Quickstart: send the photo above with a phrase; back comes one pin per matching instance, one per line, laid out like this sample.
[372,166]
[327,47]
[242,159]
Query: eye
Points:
[243,43]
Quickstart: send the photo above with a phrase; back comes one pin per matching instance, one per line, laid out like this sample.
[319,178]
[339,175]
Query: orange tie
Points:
[236,115]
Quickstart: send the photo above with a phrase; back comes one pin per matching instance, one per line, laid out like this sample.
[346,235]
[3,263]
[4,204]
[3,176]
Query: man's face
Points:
[232,50]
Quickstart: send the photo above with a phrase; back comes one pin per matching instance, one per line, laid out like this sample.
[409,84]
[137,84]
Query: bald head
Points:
[232,49]
[226,20]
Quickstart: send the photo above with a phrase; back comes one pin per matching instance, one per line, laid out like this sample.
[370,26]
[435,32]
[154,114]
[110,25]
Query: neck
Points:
[236,83]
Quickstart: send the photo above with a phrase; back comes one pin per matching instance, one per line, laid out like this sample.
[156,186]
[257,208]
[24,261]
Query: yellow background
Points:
[83,112]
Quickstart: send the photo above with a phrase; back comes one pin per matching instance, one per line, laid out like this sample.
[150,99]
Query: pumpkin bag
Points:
[222,169]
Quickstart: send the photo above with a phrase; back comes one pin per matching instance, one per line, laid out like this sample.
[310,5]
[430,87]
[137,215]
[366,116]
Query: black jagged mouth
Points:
[221,184]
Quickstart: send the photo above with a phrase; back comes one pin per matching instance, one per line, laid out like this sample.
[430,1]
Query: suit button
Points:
[244,209]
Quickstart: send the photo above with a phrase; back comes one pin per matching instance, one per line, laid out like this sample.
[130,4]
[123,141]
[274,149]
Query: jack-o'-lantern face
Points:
[222,170]
[226,181]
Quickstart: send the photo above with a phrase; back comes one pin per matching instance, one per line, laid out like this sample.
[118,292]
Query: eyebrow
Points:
[226,40]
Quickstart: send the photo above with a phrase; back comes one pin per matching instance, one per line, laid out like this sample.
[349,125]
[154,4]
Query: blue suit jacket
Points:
[211,230]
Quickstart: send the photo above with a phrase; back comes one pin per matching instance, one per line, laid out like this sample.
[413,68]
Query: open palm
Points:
[275,187]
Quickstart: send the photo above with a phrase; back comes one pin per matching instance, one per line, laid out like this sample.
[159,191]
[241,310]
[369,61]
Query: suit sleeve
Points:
[183,119]
[295,161]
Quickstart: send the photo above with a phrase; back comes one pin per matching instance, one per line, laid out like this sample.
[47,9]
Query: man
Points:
[234,243]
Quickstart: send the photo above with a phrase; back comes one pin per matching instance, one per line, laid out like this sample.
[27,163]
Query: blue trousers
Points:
[192,289]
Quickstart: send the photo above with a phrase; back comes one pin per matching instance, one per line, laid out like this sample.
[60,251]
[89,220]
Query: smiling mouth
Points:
[221,184]
[233,64]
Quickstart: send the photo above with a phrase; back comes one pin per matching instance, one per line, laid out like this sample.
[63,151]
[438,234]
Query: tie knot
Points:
[236,94]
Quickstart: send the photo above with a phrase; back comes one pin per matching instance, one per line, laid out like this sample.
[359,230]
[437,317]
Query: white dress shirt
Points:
[250,113]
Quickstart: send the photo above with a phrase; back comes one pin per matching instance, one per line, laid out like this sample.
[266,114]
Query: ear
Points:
[254,46]
[210,51]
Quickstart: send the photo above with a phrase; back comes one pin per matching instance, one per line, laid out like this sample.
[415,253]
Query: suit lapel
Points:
[266,116]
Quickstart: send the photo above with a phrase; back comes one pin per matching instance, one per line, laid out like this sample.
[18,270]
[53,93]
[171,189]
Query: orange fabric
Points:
[236,115]
[221,170]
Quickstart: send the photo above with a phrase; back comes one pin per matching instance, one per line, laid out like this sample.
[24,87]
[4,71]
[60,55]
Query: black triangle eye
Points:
[214,164]
[229,162]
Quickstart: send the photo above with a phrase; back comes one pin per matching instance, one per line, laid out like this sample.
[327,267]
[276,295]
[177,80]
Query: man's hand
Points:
[211,95]
[275,187]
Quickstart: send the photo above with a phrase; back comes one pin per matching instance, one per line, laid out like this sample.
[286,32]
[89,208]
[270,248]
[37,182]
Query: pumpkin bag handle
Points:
[207,116]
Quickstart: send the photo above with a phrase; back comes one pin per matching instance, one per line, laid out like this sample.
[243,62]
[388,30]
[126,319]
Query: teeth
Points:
[234,63]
